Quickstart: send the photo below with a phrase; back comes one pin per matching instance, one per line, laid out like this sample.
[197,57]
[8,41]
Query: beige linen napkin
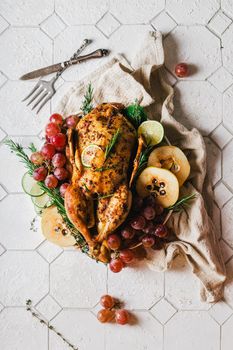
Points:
[118,81]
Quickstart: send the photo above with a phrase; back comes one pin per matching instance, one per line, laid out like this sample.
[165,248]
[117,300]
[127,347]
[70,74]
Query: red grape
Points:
[72,121]
[39,174]
[160,231]
[51,181]
[116,265]
[61,173]
[105,315]
[52,129]
[127,256]
[181,70]
[138,223]
[107,301]
[149,228]
[48,151]
[127,232]
[150,200]
[122,316]
[114,242]
[63,189]
[56,118]
[148,241]
[137,203]
[149,213]
[59,140]
[58,160]
[37,158]
[159,209]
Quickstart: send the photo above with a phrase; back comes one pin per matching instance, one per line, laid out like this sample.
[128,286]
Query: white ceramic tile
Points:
[227,50]
[219,23]
[164,23]
[2,249]
[196,46]
[221,136]
[48,307]
[191,330]
[227,252]
[1,307]
[221,312]
[221,194]
[49,250]
[214,159]
[163,311]
[226,340]
[228,165]
[192,107]
[228,292]
[53,26]
[3,24]
[227,108]
[3,193]
[19,330]
[3,79]
[108,24]
[129,284]
[221,79]
[227,222]
[24,275]
[75,281]
[227,7]
[135,11]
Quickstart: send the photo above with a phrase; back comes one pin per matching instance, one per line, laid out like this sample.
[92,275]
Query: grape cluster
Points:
[51,160]
[111,311]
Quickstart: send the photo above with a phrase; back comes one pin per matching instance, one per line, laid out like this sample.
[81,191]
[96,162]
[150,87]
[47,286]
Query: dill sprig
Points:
[182,203]
[135,114]
[87,102]
[112,143]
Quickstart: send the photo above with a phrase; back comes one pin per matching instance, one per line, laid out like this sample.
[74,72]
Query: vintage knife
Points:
[59,66]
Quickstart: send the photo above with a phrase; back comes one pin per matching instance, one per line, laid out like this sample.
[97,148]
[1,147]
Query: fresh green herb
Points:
[85,186]
[105,196]
[182,203]
[32,147]
[136,114]
[143,159]
[87,102]
[103,168]
[112,143]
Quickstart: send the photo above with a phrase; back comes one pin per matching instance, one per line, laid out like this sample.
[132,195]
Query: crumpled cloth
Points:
[196,238]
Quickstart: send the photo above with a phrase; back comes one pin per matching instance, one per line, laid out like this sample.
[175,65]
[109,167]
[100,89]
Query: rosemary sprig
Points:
[87,102]
[143,159]
[112,143]
[135,114]
[103,168]
[32,147]
[182,203]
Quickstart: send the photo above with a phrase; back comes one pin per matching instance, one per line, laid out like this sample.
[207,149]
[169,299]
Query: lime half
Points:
[90,154]
[30,186]
[152,131]
[42,202]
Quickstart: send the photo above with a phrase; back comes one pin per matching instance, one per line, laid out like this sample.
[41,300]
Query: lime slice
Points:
[90,154]
[38,211]
[30,186]
[152,131]
[42,202]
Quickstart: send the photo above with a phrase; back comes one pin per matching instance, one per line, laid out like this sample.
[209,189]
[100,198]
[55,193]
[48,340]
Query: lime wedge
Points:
[42,202]
[90,154]
[30,186]
[152,131]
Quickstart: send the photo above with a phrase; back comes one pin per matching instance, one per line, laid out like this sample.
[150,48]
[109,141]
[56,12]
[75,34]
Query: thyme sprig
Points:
[87,102]
[40,318]
[182,203]
[112,143]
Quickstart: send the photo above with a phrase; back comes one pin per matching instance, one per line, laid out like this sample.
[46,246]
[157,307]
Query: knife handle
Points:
[95,54]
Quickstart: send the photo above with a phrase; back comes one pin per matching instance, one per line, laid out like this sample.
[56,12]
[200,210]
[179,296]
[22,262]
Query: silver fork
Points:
[44,90]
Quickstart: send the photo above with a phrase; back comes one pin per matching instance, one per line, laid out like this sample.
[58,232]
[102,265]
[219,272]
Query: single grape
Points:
[51,181]
[105,315]
[181,70]
[52,129]
[148,241]
[107,301]
[138,223]
[59,140]
[159,209]
[72,121]
[127,256]
[114,241]
[160,231]
[39,174]
[63,189]
[149,213]
[149,228]
[137,203]
[122,316]
[116,265]
[58,160]
[61,173]
[150,201]
[48,151]
[56,118]
[37,158]
[127,232]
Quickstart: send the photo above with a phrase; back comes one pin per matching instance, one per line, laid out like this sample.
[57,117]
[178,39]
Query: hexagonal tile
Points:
[227,164]
[227,252]
[227,51]
[2,249]
[67,42]
[192,106]
[85,12]
[191,330]
[219,23]
[18,235]
[31,12]
[221,79]
[77,271]
[144,333]
[214,160]
[24,275]
[164,23]
[227,223]
[196,46]
[227,6]
[3,79]
[228,291]
[226,340]
[220,312]
[3,24]
[227,108]
[108,24]
[19,330]
[163,311]
[86,332]
[182,287]
[49,251]
[48,307]
[53,25]
[2,135]
[221,136]
[3,193]
[26,49]
[192,12]
[130,284]
[135,11]
[221,194]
